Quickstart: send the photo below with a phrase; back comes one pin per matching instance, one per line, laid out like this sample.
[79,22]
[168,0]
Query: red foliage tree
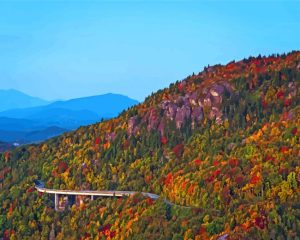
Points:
[255,179]
[269,158]
[287,102]
[294,130]
[233,162]
[178,150]
[30,190]
[216,173]
[163,140]
[215,163]
[62,167]
[112,234]
[284,149]
[191,189]
[169,179]
[197,162]
[149,201]
[279,94]
[180,86]
[239,179]
[183,185]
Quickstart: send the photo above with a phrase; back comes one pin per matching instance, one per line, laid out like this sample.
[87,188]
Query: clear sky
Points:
[66,49]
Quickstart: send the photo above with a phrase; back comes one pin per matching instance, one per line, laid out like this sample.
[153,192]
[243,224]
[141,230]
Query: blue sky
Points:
[66,49]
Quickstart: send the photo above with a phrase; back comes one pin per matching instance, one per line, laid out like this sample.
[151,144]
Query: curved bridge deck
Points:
[103,193]
[61,196]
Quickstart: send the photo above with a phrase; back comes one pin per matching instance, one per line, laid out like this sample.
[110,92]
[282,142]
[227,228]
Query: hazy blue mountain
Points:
[61,117]
[22,137]
[12,136]
[106,105]
[37,136]
[33,124]
[11,99]
[14,124]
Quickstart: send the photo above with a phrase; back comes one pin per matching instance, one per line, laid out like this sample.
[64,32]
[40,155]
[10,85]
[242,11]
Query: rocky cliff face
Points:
[187,106]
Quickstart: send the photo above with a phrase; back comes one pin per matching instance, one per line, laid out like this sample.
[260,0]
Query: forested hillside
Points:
[223,145]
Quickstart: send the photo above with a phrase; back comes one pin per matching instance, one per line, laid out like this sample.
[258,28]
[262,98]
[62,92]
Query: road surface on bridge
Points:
[40,187]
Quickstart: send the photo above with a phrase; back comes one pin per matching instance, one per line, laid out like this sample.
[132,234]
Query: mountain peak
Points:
[13,99]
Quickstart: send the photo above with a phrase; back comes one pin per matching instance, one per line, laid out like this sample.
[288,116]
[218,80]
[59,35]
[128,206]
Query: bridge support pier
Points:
[92,197]
[56,200]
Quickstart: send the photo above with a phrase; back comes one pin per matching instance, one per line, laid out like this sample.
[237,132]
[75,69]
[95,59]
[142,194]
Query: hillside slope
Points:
[224,142]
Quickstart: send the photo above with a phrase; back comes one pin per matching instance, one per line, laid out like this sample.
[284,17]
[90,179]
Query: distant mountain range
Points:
[82,109]
[22,137]
[30,124]
[10,99]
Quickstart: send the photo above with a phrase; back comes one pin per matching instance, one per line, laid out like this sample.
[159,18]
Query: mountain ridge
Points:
[70,104]
[67,115]
[12,98]
[224,142]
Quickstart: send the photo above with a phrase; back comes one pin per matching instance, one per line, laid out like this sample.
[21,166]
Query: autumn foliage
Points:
[221,148]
